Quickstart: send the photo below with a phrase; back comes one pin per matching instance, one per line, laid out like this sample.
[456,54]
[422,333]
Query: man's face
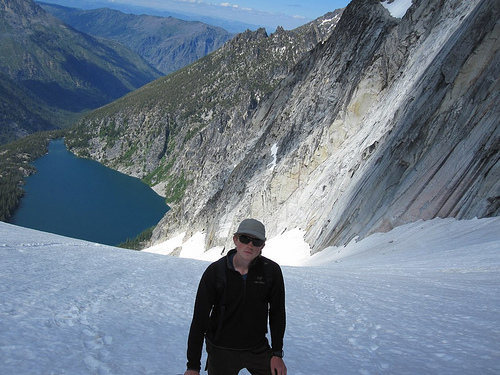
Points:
[248,251]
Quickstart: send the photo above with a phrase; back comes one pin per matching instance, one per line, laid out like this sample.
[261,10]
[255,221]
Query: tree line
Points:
[15,165]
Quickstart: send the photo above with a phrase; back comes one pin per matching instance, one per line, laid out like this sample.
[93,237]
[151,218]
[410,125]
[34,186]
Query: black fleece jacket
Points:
[232,312]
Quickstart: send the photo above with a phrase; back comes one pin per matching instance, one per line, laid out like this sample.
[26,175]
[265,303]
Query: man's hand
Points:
[192,372]
[278,366]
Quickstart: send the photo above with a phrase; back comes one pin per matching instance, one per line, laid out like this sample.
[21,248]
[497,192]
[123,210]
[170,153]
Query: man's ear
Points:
[235,238]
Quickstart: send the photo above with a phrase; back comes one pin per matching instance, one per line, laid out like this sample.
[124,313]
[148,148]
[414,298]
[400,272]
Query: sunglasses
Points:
[246,239]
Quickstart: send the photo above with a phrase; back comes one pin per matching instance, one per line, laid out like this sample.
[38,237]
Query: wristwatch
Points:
[278,353]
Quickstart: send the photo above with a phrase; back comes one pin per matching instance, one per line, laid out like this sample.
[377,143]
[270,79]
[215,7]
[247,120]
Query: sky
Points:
[420,299]
[286,13]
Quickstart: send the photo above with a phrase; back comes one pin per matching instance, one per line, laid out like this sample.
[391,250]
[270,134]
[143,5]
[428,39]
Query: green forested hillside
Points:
[15,159]
[16,106]
[50,73]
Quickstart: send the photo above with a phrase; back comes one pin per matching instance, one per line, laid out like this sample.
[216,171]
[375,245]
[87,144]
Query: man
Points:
[236,296]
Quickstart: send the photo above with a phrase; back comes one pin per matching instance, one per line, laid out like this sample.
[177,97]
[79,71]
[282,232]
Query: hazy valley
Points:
[51,74]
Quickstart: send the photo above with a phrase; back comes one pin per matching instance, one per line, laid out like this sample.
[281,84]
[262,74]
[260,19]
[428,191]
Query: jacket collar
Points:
[230,256]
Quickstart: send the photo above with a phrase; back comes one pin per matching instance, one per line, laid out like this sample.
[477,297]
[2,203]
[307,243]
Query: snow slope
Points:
[421,299]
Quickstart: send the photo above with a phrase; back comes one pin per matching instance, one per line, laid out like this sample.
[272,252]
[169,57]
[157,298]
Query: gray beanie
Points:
[252,227]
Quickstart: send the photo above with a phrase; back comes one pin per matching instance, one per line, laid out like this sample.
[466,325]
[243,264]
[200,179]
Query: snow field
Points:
[421,299]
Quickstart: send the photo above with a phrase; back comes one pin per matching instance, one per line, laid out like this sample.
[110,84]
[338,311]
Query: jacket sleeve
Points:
[201,316]
[277,313]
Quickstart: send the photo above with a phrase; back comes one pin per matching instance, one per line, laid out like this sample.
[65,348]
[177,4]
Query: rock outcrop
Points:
[388,121]
[166,130]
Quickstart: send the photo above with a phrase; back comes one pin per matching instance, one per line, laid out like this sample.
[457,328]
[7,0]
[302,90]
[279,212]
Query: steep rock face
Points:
[174,131]
[293,119]
[384,122]
[439,154]
[389,121]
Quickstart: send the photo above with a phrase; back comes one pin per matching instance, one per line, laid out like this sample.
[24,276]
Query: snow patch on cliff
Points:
[194,248]
[289,248]
[397,8]
[274,153]
[167,247]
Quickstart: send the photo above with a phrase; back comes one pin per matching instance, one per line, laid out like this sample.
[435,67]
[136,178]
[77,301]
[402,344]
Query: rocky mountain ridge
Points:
[387,121]
[147,133]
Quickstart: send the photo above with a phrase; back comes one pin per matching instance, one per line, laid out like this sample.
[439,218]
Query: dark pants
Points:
[230,362]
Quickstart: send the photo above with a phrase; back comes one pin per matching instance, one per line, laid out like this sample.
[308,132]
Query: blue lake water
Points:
[81,198]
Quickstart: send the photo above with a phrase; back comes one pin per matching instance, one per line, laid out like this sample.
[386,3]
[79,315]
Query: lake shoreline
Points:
[84,199]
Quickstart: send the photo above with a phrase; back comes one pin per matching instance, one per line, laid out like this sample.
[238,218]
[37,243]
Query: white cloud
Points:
[235,6]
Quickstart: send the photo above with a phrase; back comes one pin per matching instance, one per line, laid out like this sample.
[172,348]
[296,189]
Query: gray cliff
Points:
[387,121]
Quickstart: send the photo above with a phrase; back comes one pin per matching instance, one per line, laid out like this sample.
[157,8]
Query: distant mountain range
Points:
[230,25]
[166,43]
[50,72]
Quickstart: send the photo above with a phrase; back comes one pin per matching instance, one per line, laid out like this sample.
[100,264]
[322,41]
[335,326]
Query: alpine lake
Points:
[83,199]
